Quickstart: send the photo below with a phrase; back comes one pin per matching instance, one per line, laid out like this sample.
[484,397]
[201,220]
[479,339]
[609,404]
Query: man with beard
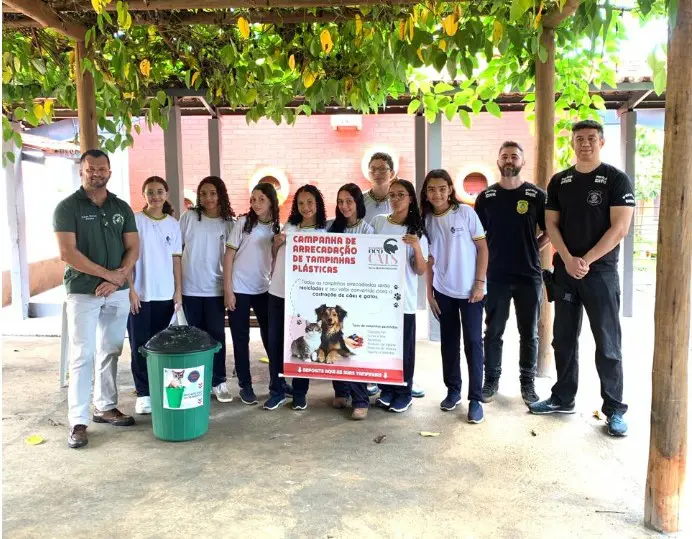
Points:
[98,241]
[588,213]
[511,212]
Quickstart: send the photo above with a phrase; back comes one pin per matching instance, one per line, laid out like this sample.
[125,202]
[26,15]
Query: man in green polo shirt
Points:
[98,241]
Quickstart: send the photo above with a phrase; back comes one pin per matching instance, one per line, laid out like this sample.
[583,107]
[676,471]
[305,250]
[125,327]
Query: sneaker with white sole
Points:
[143,405]
[222,393]
[417,391]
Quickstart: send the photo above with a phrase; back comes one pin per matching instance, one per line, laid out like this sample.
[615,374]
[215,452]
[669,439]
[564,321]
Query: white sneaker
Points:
[222,393]
[143,405]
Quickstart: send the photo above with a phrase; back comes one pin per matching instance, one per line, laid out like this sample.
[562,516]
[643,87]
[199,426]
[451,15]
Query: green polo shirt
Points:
[99,234]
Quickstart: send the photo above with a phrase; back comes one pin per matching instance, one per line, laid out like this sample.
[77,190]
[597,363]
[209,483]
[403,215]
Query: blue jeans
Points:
[527,298]
[450,335]
[239,320]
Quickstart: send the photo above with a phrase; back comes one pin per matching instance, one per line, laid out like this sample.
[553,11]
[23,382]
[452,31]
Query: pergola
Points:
[668,442]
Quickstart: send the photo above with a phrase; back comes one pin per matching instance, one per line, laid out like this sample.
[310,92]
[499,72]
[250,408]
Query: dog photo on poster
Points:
[344,307]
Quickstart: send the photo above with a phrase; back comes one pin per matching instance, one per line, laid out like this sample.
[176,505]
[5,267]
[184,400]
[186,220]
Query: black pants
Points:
[153,316]
[450,336]
[275,345]
[239,321]
[356,390]
[527,298]
[409,359]
[599,294]
[209,314]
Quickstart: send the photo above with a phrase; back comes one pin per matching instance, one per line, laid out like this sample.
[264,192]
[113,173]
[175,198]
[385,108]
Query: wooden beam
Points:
[668,443]
[544,154]
[46,17]
[86,102]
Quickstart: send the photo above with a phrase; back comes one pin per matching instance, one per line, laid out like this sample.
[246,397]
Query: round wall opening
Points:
[273,176]
[471,180]
[365,162]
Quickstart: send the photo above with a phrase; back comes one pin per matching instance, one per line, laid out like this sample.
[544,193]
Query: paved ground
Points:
[318,474]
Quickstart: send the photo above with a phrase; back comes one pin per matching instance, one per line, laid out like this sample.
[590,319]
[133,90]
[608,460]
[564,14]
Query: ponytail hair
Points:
[414,222]
[167,208]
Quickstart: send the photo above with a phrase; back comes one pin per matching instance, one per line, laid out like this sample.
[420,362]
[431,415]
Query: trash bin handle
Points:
[142,351]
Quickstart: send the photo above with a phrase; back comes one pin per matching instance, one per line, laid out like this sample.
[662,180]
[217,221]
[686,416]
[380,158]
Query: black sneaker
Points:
[550,406]
[274,402]
[400,404]
[288,389]
[247,395]
[385,399]
[300,402]
[450,402]
[528,393]
[490,387]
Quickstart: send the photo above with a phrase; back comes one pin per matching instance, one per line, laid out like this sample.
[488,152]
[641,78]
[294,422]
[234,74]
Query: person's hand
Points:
[576,267]
[412,240]
[116,277]
[434,307]
[135,304]
[105,289]
[177,301]
[279,240]
[229,300]
[477,292]
[352,343]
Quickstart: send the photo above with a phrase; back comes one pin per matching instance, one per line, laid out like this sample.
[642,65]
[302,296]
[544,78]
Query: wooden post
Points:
[173,159]
[543,169]
[16,222]
[86,101]
[668,444]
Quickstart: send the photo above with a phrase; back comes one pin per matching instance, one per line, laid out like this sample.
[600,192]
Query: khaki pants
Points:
[96,327]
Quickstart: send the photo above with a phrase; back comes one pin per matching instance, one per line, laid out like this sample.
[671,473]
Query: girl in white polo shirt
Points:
[456,284]
[155,288]
[350,214]
[246,269]
[307,216]
[405,220]
[205,230]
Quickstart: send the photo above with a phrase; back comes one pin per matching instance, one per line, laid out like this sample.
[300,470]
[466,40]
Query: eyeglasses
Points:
[398,196]
[375,170]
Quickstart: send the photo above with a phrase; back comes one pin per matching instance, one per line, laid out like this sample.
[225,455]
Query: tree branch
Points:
[554,17]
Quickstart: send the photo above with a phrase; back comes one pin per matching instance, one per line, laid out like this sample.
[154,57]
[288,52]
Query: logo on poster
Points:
[385,255]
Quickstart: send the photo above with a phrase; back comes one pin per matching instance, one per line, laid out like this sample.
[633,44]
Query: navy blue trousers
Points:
[239,321]
[209,314]
[409,359]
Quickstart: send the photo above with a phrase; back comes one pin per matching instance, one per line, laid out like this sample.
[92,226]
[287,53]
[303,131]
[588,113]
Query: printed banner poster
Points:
[344,309]
[183,388]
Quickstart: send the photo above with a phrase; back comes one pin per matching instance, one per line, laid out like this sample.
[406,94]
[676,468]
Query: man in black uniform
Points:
[511,211]
[589,210]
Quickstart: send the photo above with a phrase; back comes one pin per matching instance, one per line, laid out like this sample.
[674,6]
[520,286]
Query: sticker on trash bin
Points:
[183,388]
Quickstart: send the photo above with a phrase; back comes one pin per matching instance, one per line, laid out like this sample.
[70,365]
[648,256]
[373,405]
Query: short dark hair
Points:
[94,153]
[382,156]
[511,144]
[588,124]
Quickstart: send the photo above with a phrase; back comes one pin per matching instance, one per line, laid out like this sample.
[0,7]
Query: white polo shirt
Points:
[452,236]
[361,227]
[253,257]
[159,242]
[204,242]
[374,207]
[383,224]
[278,284]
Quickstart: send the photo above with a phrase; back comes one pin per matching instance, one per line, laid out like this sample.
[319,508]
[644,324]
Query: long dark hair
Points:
[167,208]
[441,174]
[414,222]
[267,189]
[339,224]
[295,218]
[226,212]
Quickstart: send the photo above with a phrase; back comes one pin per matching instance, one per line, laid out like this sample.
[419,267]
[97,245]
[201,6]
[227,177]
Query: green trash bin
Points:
[179,362]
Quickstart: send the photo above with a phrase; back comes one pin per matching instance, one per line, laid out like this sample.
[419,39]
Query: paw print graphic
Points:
[396,287]
[397,297]
[396,305]
[299,321]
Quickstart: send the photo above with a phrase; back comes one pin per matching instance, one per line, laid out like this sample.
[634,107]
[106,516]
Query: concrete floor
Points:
[318,474]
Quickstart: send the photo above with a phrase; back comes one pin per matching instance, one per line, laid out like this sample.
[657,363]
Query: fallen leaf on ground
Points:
[379,439]
[55,423]
[264,360]
[597,414]
[427,434]
[533,433]
[35,439]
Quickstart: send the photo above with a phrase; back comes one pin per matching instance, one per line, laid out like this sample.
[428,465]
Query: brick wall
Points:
[312,152]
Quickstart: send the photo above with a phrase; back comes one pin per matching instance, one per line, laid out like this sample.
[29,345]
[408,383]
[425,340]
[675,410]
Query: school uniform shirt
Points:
[159,242]
[510,217]
[253,257]
[204,242]
[361,227]
[278,283]
[374,207]
[383,224]
[452,235]
[584,202]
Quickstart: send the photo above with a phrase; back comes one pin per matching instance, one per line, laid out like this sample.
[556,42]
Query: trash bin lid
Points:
[180,340]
